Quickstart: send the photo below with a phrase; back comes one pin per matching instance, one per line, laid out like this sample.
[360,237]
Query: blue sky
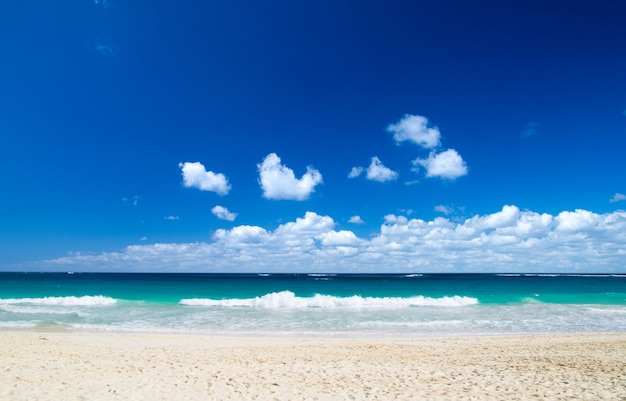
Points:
[313,136]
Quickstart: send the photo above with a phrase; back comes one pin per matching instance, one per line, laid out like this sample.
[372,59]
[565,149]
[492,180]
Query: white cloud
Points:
[338,238]
[355,172]
[415,129]
[378,172]
[617,197]
[444,164]
[242,236]
[509,240]
[172,218]
[447,164]
[504,218]
[196,176]
[444,209]
[312,224]
[222,213]
[393,219]
[356,220]
[279,181]
[577,221]
[375,172]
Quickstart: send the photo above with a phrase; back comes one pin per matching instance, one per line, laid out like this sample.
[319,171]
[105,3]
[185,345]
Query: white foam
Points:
[86,300]
[531,300]
[287,299]
[608,310]
[17,325]
[32,310]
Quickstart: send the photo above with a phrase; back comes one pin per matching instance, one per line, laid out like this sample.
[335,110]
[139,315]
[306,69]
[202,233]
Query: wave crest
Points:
[287,299]
[87,300]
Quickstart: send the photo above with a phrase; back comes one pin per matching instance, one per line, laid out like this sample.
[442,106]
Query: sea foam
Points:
[287,299]
[87,300]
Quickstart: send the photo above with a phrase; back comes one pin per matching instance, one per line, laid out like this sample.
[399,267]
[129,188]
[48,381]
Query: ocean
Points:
[334,305]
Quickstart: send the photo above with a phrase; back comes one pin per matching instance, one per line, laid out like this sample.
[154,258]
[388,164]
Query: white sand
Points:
[108,366]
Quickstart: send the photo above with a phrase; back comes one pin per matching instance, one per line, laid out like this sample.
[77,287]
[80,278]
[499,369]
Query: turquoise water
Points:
[319,305]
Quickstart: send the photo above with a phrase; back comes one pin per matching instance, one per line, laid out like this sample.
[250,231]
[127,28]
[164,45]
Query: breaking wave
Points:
[287,299]
[87,300]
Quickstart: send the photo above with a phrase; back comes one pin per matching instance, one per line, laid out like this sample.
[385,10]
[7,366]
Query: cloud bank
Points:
[196,176]
[510,240]
[279,182]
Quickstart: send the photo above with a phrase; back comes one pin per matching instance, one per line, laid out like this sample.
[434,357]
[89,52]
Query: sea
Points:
[317,305]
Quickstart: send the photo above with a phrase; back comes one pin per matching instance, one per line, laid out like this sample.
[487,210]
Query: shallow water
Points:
[319,305]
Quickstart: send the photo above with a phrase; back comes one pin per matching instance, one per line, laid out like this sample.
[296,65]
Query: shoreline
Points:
[320,335]
[59,364]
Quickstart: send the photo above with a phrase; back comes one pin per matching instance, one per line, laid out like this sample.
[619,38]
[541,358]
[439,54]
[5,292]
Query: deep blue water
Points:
[301,304]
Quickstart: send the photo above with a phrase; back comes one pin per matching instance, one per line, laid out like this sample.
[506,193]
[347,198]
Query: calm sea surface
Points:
[410,305]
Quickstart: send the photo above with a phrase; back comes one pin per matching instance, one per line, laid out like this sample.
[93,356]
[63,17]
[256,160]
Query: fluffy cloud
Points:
[509,240]
[444,164]
[577,221]
[378,172]
[308,227]
[617,197]
[393,219]
[279,181]
[415,129]
[356,220]
[447,164]
[504,218]
[222,213]
[375,172]
[196,176]
[355,172]
[242,236]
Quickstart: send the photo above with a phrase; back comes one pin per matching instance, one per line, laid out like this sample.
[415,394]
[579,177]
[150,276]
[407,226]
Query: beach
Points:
[67,365]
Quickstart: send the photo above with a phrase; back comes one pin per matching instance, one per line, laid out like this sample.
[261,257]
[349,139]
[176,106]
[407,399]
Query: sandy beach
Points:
[107,366]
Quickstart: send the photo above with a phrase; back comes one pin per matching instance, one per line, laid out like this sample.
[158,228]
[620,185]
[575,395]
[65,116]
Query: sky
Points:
[326,136]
